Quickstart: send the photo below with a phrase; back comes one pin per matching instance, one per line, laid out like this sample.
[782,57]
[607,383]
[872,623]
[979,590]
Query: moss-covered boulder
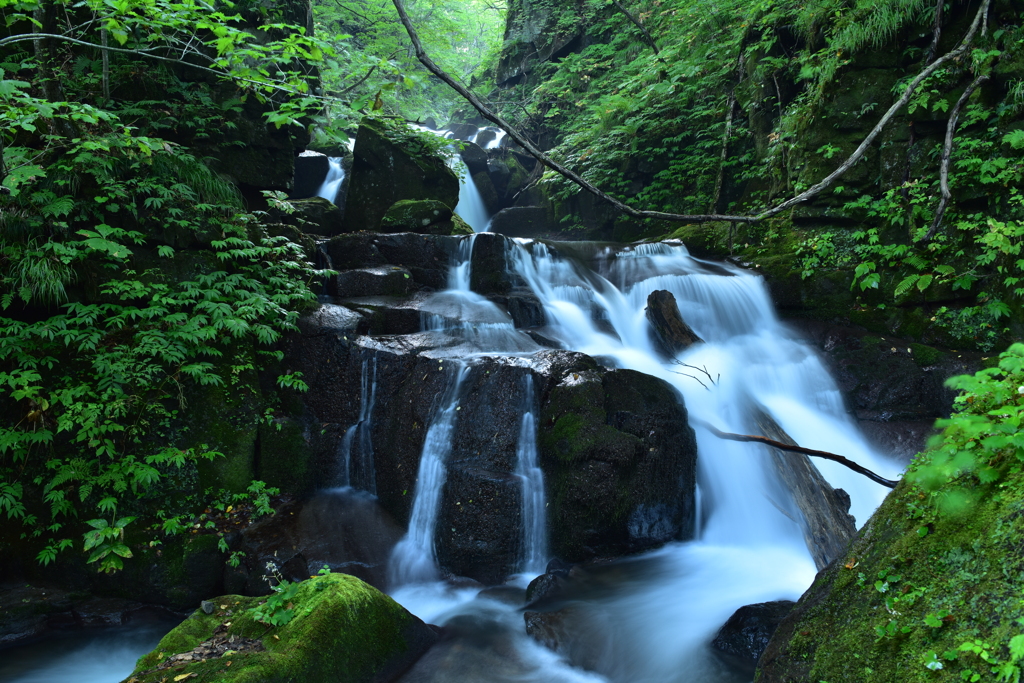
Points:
[343,631]
[392,163]
[619,460]
[423,216]
[912,589]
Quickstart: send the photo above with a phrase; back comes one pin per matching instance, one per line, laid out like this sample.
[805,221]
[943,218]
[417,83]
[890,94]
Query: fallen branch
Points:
[424,59]
[729,436]
[947,153]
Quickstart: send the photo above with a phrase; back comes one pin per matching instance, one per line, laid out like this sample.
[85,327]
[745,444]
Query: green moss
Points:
[949,579]
[343,631]
[284,457]
[459,226]
[925,355]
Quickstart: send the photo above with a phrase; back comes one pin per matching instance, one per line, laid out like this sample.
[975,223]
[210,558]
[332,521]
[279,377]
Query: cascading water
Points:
[535,531]
[747,550]
[358,471]
[471,205]
[414,559]
[331,186]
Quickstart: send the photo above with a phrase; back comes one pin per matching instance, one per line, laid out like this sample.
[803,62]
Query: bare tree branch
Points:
[846,462]
[695,218]
[936,32]
[947,152]
[643,30]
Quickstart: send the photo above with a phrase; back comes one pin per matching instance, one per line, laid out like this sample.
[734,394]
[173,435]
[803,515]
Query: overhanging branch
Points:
[846,462]
[571,175]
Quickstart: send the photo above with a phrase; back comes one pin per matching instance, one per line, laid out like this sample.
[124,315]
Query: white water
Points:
[747,550]
[332,183]
[359,472]
[535,524]
[414,559]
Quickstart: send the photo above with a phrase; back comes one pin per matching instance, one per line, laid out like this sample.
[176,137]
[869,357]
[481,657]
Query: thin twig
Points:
[687,218]
[947,153]
[797,449]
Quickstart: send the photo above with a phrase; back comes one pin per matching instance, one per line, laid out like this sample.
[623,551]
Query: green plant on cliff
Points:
[130,275]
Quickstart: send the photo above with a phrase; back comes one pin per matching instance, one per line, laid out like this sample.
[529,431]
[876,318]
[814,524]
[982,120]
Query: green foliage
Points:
[373,62]
[130,274]
[983,438]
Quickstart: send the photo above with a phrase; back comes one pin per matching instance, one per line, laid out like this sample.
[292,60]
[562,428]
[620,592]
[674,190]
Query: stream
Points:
[644,619]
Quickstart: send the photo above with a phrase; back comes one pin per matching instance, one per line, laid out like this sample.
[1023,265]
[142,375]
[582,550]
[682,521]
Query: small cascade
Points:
[356,448]
[332,183]
[471,205]
[535,524]
[414,559]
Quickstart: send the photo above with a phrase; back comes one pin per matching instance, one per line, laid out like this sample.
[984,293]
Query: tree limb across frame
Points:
[571,175]
[846,462]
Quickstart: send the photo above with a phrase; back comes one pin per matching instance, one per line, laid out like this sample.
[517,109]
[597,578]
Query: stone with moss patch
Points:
[911,590]
[424,216]
[343,631]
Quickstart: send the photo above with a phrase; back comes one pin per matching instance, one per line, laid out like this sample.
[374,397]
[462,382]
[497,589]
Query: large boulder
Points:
[522,221]
[313,216]
[390,164]
[423,216]
[342,631]
[310,170]
[619,460]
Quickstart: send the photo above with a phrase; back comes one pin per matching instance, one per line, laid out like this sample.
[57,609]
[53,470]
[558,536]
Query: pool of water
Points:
[88,656]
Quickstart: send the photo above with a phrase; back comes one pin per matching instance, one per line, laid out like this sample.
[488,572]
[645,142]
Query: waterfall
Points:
[471,205]
[414,559]
[332,183]
[535,523]
[359,472]
[746,549]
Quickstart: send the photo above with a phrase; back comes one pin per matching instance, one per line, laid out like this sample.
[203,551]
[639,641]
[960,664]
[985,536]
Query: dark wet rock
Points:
[386,169]
[313,216]
[508,175]
[462,131]
[485,137]
[580,633]
[488,194]
[479,528]
[619,459]
[475,158]
[895,388]
[522,221]
[310,171]
[671,333]
[822,511]
[30,610]
[489,274]
[744,637]
[423,216]
[426,257]
[546,586]
[373,281]
[524,308]
[345,530]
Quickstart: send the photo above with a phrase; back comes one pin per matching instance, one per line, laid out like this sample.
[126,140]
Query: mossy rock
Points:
[343,631]
[949,579]
[459,226]
[389,165]
[423,216]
